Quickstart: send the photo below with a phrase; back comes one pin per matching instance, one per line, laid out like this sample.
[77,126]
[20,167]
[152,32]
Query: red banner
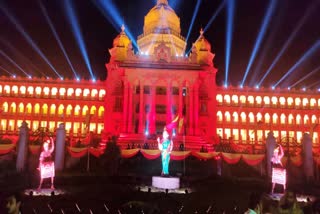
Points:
[77,152]
[150,154]
[6,148]
[231,158]
[129,153]
[179,155]
[252,160]
[95,152]
[205,155]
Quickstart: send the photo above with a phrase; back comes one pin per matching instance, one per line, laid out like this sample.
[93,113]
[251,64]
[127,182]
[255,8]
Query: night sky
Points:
[98,34]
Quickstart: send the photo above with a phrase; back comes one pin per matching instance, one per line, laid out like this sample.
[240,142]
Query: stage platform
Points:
[165,182]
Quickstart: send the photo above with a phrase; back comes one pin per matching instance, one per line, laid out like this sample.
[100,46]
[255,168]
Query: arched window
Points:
[101,111]
[7,89]
[243,117]
[38,91]
[258,100]
[70,92]
[274,118]
[29,108]
[13,108]
[62,92]
[54,92]
[86,92]
[30,90]
[259,117]
[282,101]
[290,101]
[52,109]
[5,107]
[306,120]
[36,108]
[227,99]
[69,110]
[78,92]
[227,117]
[305,102]
[46,91]
[267,118]
[77,110]
[21,108]
[314,119]
[60,109]
[243,99]
[266,101]
[219,98]
[251,117]
[0,89]
[235,99]
[283,119]
[102,93]
[14,89]
[85,110]
[298,119]
[313,102]
[23,90]
[235,117]
[290,119]
[297,102]
[274,101]
[219,116]
[251,100]
[93,110]
[44,109]
[94,93]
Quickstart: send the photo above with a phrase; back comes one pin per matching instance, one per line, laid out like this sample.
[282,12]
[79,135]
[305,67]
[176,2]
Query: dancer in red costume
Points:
[46,164]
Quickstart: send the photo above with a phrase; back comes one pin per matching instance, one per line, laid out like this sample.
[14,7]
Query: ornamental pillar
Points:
[22,149]
[60,147]
[196,110]
[169,104]
[141,110]
[125,107]
[130,111]
[152,114]
[270,146]
[191,111]
[307,157]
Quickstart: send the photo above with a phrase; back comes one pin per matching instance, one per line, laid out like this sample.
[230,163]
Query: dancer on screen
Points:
[46,163]
[278,171]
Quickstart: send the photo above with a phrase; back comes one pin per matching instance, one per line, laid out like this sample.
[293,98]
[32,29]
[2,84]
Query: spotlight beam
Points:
[309,11]
[263,30]
[27,37]
[56,36]
[6,70]
[303,58]
[305,77]
[76,29]
[20,55]
[111,13]
[13,62]
[230,15]
[195,13]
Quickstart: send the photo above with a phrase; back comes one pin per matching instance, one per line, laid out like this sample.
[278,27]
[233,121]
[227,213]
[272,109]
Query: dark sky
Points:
[98,34]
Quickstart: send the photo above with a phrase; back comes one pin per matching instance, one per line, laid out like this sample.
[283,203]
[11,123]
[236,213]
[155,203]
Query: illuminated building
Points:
[145,90]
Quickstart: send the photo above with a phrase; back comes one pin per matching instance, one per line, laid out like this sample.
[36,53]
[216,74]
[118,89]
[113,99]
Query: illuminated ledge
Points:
[166,182]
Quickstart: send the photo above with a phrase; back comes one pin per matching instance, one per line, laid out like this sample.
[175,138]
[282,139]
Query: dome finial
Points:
[201,32]
[122,28]
[162,2]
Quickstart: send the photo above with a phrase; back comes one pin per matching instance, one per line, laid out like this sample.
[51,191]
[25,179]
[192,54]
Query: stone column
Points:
[60,147]
[152,115]
[169,104]
[307,157]
[125,107]
[141,110]
[130,111]
[191,111]
[270,146]
[196,110]
[22,147]
[180,101]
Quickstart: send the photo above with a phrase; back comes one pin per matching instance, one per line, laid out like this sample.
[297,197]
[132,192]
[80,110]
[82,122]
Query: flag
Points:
[177,122]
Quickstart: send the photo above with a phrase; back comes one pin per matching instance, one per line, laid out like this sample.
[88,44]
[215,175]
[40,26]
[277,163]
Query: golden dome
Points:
[122,39]
[202,44]
[161,17]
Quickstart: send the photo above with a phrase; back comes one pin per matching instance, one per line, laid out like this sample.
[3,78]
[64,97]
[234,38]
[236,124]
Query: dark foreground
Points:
[87,193]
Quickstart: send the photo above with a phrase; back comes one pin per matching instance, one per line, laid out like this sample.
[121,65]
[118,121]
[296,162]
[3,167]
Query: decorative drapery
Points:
[150,154]
[252,160]
[78,152]
[129,153]
[205,155]
[231,158]
[179,155]
[35,149]
[6,148]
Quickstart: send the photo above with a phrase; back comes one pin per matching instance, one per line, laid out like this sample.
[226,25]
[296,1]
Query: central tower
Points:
[162,26]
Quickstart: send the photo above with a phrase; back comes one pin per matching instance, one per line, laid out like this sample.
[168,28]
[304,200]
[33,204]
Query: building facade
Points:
[145,91]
